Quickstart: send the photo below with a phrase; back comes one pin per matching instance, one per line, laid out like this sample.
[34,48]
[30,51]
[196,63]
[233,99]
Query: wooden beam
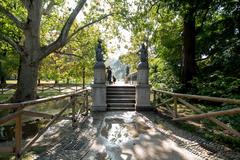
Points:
[210,114]
[73,103]
[6,149]
[175,106]
[44,115]
[38,101]
[169,110]
[18,136]
[42,131]
[164,102]
[207,98]
[214,120]
[9,117]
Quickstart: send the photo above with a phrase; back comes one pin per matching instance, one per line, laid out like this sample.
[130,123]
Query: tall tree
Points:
[189,43]
[32,52]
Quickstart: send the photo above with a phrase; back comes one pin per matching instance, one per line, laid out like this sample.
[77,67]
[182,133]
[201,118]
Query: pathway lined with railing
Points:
[118,134]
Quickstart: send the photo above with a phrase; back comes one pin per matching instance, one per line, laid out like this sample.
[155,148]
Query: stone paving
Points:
[127,136]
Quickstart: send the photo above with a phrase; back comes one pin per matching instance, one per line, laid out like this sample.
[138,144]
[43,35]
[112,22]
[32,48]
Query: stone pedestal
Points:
[99,88]
[99,97]
[143,88]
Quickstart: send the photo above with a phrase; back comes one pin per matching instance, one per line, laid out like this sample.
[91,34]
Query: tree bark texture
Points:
[27,81]
[188,57]
[29,65]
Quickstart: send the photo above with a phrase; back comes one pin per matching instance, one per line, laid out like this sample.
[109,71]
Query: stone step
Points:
[121,96]
[121,105]
[120,86]
[121,108]
[120,100]
[126,88]
[120,93]
[123,91]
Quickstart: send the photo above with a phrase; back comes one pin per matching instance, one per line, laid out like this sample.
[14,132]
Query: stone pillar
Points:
[143,87]
[99,86]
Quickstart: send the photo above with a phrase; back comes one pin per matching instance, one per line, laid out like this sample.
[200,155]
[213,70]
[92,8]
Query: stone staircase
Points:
[120,97]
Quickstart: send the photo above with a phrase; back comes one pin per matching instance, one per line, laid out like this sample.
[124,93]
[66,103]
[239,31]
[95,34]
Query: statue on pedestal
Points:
[127,71]
[99,51]
[143,53]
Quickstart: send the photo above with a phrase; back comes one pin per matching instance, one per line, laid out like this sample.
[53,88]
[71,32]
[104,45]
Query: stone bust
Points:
[99,51]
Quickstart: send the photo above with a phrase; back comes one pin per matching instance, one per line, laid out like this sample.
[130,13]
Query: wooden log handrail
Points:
[17,115]
[207,98]
[177,97]
[38,101]
[9,117]
[210,114]
[7,149]
[214,120]
[43,115]
[27,146]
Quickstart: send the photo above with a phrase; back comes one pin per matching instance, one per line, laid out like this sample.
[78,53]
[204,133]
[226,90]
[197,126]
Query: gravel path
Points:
[127,136]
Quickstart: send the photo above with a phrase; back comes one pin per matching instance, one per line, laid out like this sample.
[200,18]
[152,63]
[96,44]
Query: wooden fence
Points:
[4,89]
[171,105]
[18,149]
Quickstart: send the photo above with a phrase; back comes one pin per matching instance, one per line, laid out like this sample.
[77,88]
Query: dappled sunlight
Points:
[127,135]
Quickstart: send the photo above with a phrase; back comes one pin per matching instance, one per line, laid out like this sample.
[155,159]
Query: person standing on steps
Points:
[109,75]
[114,79]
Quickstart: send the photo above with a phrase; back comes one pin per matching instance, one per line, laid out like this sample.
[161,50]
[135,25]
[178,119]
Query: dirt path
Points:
[127,136]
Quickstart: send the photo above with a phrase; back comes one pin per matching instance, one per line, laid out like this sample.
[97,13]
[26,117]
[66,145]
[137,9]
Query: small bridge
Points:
[82,129]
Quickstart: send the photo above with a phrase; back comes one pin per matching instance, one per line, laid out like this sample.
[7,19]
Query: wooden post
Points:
[175,107]
[59,88]
[154,97]
[87,101]
[18,136]
[72,99]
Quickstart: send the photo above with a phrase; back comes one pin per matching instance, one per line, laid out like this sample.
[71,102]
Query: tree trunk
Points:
[3,80]
[27,81]
[188,58]
[2,71]
[83,78]
[29,60]
[2,75]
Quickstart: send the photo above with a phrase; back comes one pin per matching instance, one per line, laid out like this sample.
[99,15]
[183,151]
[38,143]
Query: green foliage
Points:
[68,63]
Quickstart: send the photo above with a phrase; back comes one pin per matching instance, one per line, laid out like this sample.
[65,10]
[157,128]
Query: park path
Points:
[127,136]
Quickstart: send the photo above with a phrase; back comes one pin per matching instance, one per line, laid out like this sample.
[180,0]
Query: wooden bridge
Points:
[78,105]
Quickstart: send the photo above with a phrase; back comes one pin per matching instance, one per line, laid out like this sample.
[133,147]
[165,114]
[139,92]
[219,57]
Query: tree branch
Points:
[86,25]
[14,44]
[48,9]
[68,54]
[12,17]
[64,32]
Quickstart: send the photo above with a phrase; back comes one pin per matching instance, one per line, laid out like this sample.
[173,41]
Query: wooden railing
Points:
[171,105]
[20,111]
[5,88]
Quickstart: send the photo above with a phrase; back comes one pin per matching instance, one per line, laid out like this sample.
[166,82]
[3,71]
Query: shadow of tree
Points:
[125,136]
